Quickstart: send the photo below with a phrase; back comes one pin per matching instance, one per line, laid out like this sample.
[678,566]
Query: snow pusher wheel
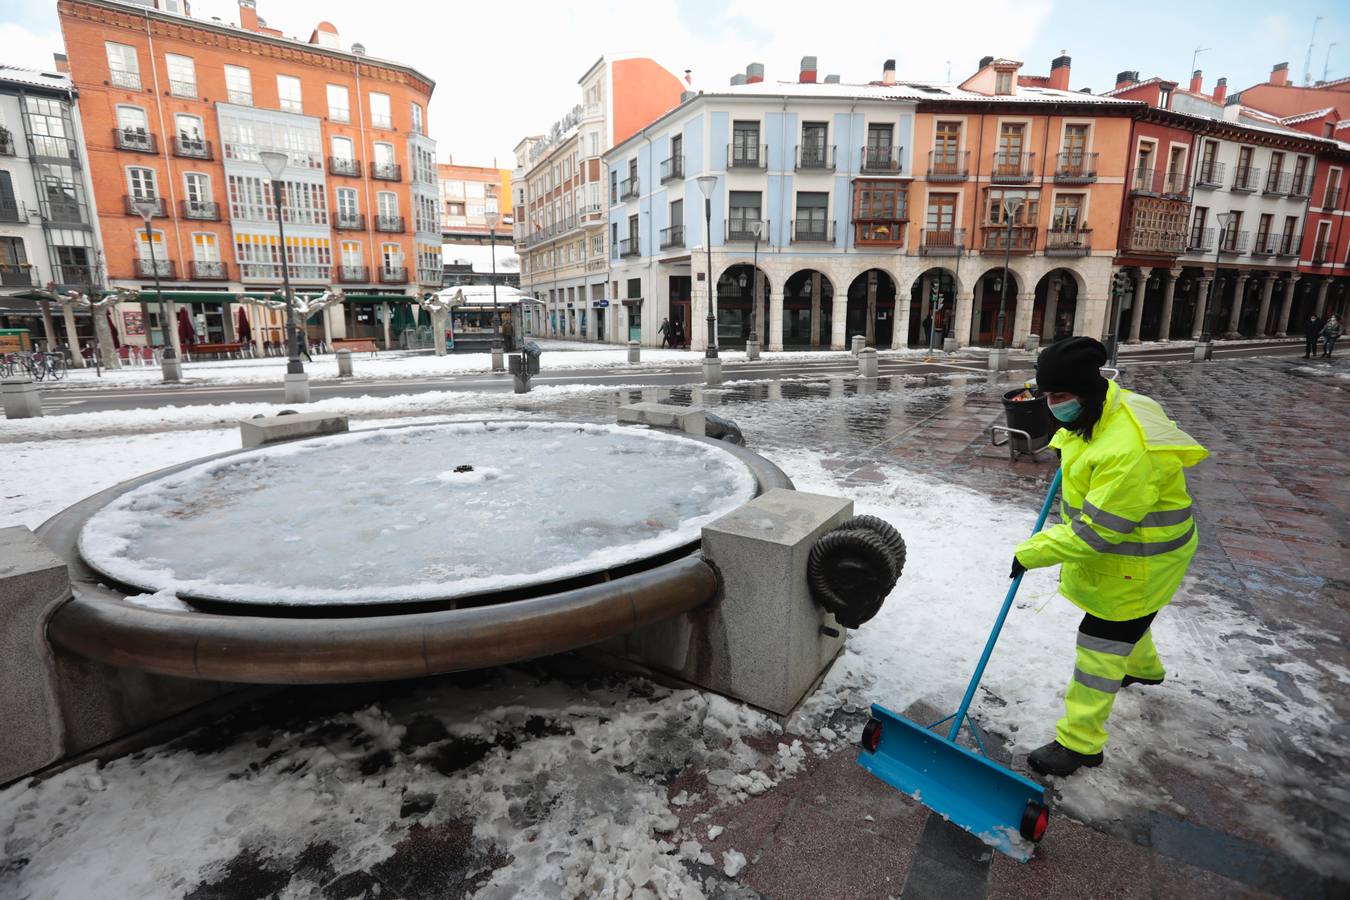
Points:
[871,736]
[887,532]
[1035,819]
[850,572]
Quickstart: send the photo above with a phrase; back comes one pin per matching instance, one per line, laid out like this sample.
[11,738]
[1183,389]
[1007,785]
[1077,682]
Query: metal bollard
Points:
[752,349]
[858,343]
[634,352]
[868,364]
[344,361]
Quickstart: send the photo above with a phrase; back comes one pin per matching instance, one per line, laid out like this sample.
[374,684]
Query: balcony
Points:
[7,143]
[47,146]
[163,268]
[948,165]
[752,156]
[208,270]
[881,159]
[1176,184]
[129,80]
[191,148]
[137,139]
[1331,198]
[937,242]
[1154,241]
[186,90]
[1200,240]
[18,276]
[629,246]
[1211,175]
[12,211]
[1321,252]
[385,122]
[590,210]
[1160,183]
[1001,238]
[341,165]
[130,205]
[394,275]
[1246,178]
[1288,245]
[1012,168]
[386,171]
[812,231]
[741,229]
[1068,242]
[390,224]
[672,237]
[201,210]
[353,274]
[349,222]
[672,168]
[1265,244]
[1302,187]
[629,188]
[815,158]
[239,98]
[63,212]
[1233,242]
[1279,183]
[1076,167]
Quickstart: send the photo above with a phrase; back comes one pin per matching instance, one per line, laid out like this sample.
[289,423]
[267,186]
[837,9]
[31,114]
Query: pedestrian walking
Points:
[667,334]
[1125,543]
[1331,333]
[1312,331]
[508,333]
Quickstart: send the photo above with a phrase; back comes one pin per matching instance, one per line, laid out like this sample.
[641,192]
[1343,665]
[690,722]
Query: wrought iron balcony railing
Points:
[1000,238]
[1068,242]
[1302,187]
[1012,168]
[386,172]
[1246,178]
[1233,242]
[191,148]
[349,222]
[391,224]
[1289,244]
[751,156]
[942,242]
[394,275]
[815,157]
[353,274]
[1200,240]
[1279,183]
[816,231]
[630,246]
[741,229]
[630,188]
[1321,252]
[147,268]
[201,210]
[948,165]
[672,168]
[884,158]
[1211,174]
[341,165]
[12,211]
[1331,198]
[208,270]
[137,139]
[672,236]
[14,275]
[130,205]
[1076,167]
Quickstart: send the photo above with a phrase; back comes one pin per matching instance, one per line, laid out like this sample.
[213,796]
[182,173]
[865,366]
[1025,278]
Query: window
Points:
[1289,240]
[813,211]
[1075,148]
[1003,83]
[1302,183]
[123,68]
[880,209]
[197,191]
[380,116]
[880,146]
[1231,232]
[1208,171]
[351,254]
[151,249]
[1011,143]
[339,107]
[348,206]
[1331,196]
[302,202]
[613,187]
[189,135]
[1068,213]
[384,155]
[182,75]
[343,149]
[12,252]
[813,151]
[999,202]
[1276,164]
[141,182]
[677,153]
[940,220]
[386,202]
[50,129]
[205,248]
[1263,233]
[745,144]
[238,85]
[418,126]
[946,148]
[746,211]
[392,257]
[288,94]
[1244,179]
[131,121]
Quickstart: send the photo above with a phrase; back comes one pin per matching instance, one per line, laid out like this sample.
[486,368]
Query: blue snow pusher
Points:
[1006,810]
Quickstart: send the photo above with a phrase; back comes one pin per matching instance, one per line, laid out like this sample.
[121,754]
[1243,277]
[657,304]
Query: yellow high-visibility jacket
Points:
[1127,535]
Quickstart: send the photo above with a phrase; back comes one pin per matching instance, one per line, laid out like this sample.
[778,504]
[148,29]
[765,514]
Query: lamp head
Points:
[492,217]
[274,162]
[145,207]
[757,228]
[706,184]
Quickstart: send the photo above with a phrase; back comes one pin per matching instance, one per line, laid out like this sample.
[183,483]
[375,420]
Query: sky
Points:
[506,70]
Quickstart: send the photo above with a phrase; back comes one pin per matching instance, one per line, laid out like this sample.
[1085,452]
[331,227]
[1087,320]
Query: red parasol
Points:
[187,335]
[244,331]
[112,327]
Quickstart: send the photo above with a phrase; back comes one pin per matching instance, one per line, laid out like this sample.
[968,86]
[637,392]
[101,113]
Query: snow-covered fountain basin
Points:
[397,552]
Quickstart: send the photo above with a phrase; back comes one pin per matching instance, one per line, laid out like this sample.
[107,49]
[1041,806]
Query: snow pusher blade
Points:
[1006,810]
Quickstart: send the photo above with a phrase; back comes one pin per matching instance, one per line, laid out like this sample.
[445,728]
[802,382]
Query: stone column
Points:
[961,319]
[925,307]
[1235,316]
[1169,291]
[48,324]
[870,326]
[698,306]
[1267,288]
[776,320]
[816,284]
[1137,312]
[1286,304]
[900,320]
[327,320]
[1204,287]
[1321,305]
[839,321]
[1050,314]
[384,320]
[1022,311]
[72,336]
[227,321]
[172,331]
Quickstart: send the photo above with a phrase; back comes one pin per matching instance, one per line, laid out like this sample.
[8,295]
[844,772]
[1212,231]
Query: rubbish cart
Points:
[1028,424]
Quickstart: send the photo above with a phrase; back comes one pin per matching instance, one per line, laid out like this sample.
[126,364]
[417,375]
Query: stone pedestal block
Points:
[712,371]
[344,361]
[297,387]
[172,369]
[21,398]
[752,349]
[1204,350]
[858,343]
[521,382]
[634,352]
[1033,342]
[498,364]
[762,643]
[998,360]
[868,367]
[275,430]
[949,345]
[690,419]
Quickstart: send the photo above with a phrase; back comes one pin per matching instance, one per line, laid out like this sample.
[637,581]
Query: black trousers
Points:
[1129,631]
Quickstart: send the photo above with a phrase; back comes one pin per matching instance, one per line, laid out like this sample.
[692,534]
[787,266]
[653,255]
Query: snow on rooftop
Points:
[903,90]
[1304,117]
[479,257]
[34,78]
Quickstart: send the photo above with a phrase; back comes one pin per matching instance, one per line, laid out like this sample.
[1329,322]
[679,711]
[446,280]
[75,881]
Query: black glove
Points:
[1017,568]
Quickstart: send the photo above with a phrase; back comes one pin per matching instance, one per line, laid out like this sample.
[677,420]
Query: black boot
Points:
[1056,759]
[1131,679]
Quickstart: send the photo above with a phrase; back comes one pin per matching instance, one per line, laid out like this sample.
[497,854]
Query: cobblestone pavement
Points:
[1273,506]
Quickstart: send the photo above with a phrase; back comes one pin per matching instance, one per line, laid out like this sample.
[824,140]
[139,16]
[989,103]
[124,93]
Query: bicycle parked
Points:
[38,364]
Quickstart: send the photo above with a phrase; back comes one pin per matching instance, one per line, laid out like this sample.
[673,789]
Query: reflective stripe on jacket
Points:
[1127,535]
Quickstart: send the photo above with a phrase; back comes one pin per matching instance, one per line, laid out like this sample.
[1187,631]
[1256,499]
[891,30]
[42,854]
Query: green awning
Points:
[230,297]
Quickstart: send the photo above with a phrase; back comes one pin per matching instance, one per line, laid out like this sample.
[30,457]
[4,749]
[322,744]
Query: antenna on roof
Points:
[1326,63]
[1196,55]
[949,70]
[1307,59]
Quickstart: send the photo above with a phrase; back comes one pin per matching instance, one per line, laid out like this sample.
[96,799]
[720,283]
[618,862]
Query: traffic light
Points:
[1121,283]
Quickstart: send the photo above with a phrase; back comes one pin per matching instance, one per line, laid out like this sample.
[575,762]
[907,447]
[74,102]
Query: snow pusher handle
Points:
[959,718]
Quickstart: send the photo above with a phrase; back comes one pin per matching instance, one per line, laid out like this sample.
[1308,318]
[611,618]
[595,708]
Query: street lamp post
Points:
[297,384]
[492,217]
[170,368]
[1011,206]
[756,314]
[706,184]
[1205,349]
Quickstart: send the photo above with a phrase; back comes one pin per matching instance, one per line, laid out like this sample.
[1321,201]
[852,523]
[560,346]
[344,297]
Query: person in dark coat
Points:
[1312,330]
[667,334]
[1331,333]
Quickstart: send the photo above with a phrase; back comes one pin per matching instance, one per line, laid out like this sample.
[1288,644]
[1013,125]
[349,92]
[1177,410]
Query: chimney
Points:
[248,15]
[1197,82]
[737,80]
[985,60]
[754,73]
[686,96]
[1220,90]
[358,49]
[807,71]
[888,72]
[1059,72]
[1279,75]
[61,62]
[831,79]
[1126,78]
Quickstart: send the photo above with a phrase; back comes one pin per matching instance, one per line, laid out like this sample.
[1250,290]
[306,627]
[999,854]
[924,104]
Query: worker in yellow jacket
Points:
[1125,541]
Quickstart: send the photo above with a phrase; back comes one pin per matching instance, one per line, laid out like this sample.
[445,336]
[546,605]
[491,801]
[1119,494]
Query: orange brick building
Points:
[176,111]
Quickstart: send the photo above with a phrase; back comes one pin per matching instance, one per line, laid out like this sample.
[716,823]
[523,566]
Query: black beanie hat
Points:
[1071,366]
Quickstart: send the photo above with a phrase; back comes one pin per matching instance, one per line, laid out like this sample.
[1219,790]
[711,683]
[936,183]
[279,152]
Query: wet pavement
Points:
[1273,507]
